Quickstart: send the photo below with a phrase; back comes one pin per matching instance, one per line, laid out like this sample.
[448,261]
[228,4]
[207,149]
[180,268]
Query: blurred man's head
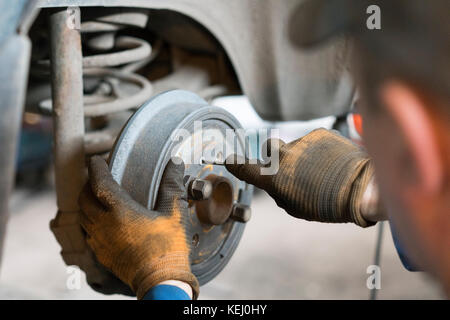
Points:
[403,74]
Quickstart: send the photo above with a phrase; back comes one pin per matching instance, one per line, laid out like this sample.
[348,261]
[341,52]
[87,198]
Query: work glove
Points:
[141,247]
[322,177]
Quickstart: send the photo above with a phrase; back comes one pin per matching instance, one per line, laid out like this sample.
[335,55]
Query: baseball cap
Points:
[316,21]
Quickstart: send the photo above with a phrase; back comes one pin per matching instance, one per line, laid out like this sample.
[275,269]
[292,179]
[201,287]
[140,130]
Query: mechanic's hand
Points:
[141,247]
[321,177]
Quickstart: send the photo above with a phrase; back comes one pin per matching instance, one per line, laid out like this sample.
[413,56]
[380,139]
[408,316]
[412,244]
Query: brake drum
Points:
[146,145]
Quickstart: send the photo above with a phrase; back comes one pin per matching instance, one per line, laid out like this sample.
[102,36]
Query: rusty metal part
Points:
[241,213]
[145,146]
[98,105]
[200,189]
[68,124]
[114,19]
[68,114]
[119,103]
[113,86]
[132,50]
[100,139]
[217,209]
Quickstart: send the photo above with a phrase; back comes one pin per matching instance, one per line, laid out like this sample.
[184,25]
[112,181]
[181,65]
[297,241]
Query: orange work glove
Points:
[141,247]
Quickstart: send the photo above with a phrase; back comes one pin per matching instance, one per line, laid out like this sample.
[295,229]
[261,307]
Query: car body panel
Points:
[281,81]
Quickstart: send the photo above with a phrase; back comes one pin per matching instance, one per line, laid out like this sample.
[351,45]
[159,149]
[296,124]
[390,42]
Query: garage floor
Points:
[279,258]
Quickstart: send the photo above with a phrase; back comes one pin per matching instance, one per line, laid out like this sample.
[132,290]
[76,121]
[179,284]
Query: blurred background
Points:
[279,257]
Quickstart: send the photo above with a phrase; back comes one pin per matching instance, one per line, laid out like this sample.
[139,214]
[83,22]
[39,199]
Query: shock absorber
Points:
[89,87]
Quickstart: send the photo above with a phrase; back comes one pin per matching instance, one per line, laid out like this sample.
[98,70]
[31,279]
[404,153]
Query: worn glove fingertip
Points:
[97,167]
[173,175]
[99,175]
[233,163]
[244,170]
[176,165]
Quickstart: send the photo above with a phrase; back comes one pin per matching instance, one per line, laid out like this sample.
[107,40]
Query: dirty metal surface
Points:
[68,127]
[282,82]
[143,150]
[111,86]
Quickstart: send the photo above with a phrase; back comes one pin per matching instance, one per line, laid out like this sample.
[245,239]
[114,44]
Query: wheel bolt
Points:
[200,189]
[241,213]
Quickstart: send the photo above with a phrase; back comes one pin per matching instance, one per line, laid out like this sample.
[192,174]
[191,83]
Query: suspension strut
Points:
[70,106]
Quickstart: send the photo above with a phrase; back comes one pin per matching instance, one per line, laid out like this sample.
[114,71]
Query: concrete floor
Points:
[279,257]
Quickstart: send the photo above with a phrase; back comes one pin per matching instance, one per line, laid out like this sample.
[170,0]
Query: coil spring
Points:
[112,67]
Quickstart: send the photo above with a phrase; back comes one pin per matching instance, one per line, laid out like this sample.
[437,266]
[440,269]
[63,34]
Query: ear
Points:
[409,113]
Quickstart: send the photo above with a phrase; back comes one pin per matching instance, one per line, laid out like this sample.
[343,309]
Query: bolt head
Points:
[241,213]
[200,189]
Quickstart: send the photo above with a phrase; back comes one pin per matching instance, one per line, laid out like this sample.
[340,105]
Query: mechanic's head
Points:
[403,74]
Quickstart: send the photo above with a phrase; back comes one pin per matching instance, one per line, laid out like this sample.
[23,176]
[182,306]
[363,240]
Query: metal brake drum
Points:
[143,150]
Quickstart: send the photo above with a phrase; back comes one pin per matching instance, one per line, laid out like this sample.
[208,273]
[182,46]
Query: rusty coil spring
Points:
[111,83]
